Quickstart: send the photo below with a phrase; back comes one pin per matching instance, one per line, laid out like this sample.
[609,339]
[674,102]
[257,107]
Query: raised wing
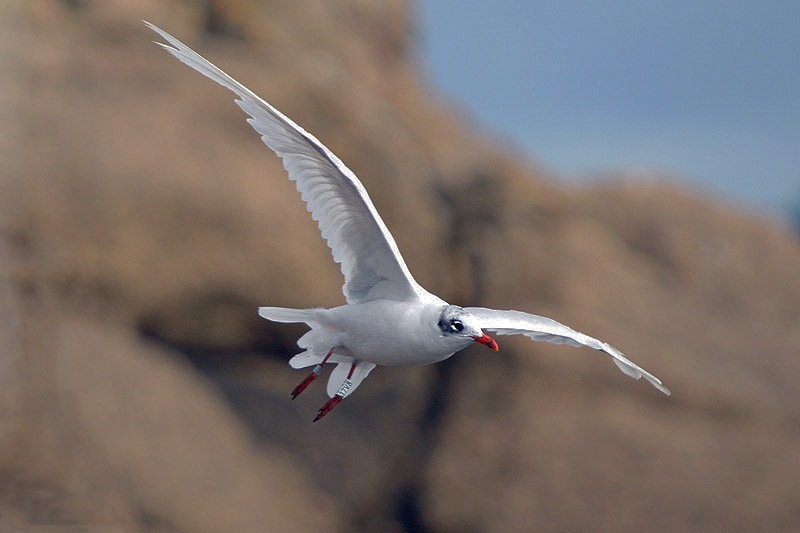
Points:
[371,262]
[540,328]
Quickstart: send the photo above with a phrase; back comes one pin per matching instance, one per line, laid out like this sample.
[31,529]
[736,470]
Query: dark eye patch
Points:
[449,323]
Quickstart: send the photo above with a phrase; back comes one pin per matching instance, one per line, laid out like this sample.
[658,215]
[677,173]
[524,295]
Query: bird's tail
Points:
[285,314]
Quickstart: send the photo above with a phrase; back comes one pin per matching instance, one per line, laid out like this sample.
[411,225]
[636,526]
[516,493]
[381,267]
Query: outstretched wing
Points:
[540,328]
[371,262]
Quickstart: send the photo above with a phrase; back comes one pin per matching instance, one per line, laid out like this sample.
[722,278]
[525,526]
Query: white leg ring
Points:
[344,388]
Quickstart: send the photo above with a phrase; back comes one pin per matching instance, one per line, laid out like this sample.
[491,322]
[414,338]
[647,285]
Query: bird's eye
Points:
[456,325]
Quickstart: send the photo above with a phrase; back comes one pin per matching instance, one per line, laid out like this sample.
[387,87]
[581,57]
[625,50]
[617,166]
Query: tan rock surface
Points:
[142,222]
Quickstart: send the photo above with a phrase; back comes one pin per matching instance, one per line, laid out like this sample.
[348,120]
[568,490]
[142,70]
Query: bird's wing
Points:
[540,328]
[371,262]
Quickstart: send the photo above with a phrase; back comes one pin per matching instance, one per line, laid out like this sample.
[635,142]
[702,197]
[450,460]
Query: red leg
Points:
[333,402]
[311,377]
[330,404]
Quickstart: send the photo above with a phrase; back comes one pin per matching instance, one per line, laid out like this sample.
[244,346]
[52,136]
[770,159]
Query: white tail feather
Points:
[286,314]
[305,359]
[336,383]
[309,358]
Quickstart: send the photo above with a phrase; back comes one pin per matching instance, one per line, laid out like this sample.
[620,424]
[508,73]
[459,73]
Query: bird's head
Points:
[454,322]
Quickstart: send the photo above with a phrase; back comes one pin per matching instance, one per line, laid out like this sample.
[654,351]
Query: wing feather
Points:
[544,329]
[359,240]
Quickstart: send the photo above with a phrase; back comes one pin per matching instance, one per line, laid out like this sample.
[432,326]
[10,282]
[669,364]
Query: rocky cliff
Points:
[142,222]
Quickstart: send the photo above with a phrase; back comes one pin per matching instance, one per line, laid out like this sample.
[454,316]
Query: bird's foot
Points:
[330,404]
[307,381]
[344,388]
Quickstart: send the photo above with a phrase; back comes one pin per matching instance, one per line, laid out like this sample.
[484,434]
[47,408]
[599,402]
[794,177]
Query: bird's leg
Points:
[333,402]
[311,377]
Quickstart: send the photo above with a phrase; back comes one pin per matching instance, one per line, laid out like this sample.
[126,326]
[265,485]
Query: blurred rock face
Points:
[143,222]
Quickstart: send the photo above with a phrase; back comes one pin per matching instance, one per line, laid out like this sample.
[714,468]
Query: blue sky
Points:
[705,91]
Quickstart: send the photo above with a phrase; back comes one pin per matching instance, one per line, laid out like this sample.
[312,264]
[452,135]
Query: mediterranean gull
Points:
[389,319]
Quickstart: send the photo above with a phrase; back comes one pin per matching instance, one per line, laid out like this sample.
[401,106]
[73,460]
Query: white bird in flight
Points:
[389,319]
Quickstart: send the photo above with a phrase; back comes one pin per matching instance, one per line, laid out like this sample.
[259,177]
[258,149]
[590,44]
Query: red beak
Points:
[488,341]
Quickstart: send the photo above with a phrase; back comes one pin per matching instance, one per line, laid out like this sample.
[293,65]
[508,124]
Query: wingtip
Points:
[157,30]
[655,382]
[165,35]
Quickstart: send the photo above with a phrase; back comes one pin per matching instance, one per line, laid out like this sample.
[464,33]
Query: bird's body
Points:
[390,333]
[383,332]
[389,319]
